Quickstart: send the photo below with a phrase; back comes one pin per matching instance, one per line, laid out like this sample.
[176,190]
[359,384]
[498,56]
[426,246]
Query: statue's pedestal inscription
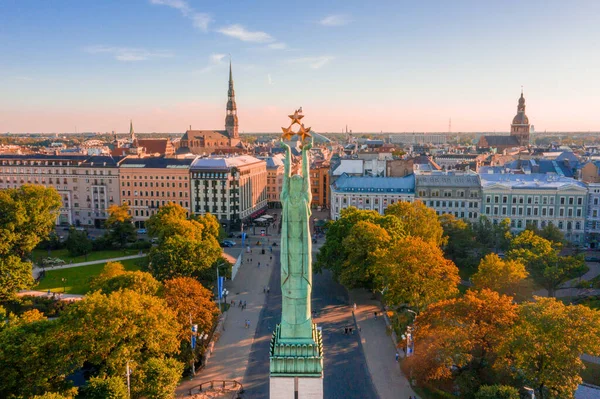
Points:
[296,352]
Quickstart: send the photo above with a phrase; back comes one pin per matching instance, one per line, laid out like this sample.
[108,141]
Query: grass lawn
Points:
[78,278]
[591,374]
[96,255]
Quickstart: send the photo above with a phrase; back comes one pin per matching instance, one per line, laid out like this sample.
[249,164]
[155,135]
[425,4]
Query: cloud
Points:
[128,54]
[241,33]
[277,46]
[312,62]
[270,80]
[199,19]
[335,20]
[214,61]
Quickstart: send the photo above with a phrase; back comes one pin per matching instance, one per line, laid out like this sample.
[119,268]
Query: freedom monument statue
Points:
[296,352]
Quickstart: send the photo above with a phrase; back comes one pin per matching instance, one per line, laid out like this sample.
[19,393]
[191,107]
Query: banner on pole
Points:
[220,286]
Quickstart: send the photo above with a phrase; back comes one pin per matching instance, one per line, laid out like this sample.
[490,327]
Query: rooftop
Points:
[347,183]
[213,163]
[533,180]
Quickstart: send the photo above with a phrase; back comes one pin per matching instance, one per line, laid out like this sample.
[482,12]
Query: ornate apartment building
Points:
[455,193]
[88,185]
[537,199]
[149,183]
[233,189]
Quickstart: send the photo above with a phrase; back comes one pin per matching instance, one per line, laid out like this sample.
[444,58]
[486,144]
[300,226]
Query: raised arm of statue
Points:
[287,160]
[305,162]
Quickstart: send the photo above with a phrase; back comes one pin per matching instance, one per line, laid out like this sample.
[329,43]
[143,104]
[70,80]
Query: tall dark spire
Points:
[131,132]
[231,120]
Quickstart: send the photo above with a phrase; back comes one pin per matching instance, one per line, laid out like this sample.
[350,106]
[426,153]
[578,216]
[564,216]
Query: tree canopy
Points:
[499,275]
[120,225]
[418,220]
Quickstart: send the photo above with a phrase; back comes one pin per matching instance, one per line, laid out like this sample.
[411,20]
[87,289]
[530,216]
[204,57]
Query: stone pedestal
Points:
[296,365]
[286,387]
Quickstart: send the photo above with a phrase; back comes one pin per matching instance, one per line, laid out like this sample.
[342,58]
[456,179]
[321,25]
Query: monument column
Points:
[296,352]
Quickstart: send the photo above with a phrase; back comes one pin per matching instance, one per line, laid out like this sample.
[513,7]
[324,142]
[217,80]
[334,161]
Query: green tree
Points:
[104,387]
[499,275]
[332,254]
[497,392]
[546,344]
[120,225]
[78,243]
[543,261]
[34,359]
[54,395]
[363,245]
[109,330]
[461,246]
[27,216]
[418,221]
[138,281]
[493,237]
[179,256]
[157,378]
[551,233]
[414,272]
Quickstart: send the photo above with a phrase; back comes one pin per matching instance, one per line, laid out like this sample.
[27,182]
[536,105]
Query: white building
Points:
[365,192]
[592,224]
[233,189]
[536,199]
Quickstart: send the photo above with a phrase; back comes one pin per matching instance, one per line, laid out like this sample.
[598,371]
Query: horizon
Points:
[400,68]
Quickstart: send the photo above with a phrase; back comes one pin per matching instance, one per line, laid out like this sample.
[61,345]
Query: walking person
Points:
[259,265]
[268,289]
[397,357]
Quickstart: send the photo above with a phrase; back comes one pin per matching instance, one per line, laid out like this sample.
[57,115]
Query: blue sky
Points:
[377,65]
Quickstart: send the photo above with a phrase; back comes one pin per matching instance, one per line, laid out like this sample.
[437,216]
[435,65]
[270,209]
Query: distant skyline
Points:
[398,66]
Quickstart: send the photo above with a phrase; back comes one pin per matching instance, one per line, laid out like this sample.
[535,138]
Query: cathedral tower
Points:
[231,120]
[520,126]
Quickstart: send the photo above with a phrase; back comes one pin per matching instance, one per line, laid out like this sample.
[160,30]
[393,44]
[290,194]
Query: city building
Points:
[216,141]
[149,183]
[88,185]
[536,199]
[233,189]
[519,132]
[274,179]
[320,184]
[592,223]
[454,193]
[365,192]
[590,172]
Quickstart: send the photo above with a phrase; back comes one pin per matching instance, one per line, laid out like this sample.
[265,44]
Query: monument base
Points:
[296,387]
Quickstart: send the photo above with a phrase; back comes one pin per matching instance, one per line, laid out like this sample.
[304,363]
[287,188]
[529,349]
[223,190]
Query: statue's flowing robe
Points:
[296,262]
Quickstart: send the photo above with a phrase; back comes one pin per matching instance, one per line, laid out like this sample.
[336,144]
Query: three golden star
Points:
[303,132]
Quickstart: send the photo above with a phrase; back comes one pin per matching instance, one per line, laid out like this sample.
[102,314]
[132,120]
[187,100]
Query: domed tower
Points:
[520,126]
[231,120]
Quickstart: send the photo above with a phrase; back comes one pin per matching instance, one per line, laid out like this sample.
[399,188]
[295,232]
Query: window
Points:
[579,201]
[562,200]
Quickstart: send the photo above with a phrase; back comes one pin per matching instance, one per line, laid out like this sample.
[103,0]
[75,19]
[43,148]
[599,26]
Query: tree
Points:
[493,237]
[158,378]
[27,216]
[459,338]
[138,281]
[497,392]
[551,233]
[418,221]
[543,262]
[120,226]
[461,246]
[332,254]
[54,395]
[106,387]
[546,343]
[188,298]
[171,219]
[110,270]
[15,275]
[109,330]
[78,243]
[179,256]
[34,359]
[415,272]
[362,246]
[499,275]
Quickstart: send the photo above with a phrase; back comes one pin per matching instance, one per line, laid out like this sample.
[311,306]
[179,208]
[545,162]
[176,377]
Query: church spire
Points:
[131,132]
[231,120]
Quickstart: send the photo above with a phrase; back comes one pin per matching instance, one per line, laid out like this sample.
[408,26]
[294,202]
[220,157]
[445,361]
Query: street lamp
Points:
[224,293]
[410,339]
[64,281]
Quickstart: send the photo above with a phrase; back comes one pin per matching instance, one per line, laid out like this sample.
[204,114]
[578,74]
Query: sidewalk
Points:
[230,355]
[568,289]
[379,350]
[61,296]
[36,270]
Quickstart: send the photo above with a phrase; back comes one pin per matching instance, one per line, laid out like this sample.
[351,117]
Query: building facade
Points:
[454,193]
[519,132]
[537,199]
[149,183]
[320,184]
[274,179]
[375,193]
[592,223]
[88,185]
[233,189]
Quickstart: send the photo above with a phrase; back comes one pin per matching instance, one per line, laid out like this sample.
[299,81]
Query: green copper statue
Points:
[296,249]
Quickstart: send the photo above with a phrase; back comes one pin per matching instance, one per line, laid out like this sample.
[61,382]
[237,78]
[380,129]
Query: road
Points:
[346,372]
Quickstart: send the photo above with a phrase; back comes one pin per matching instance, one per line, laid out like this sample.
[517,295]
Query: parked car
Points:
[592,259]
[227,243]
[142,231]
